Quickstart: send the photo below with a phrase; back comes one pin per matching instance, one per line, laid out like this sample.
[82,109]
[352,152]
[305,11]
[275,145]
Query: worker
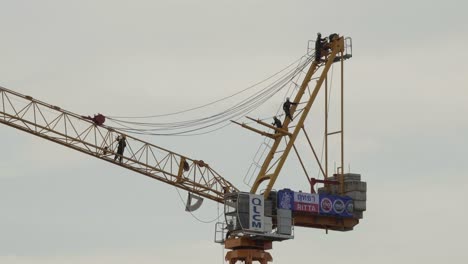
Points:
[120,147]
[186,166]
[332,37]
[277,122]
[319,45]
[230,228]
[287,108]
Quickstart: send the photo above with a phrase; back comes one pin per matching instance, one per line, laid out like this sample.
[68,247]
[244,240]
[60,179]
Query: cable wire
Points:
[201,126]
[198,219]
[213,102]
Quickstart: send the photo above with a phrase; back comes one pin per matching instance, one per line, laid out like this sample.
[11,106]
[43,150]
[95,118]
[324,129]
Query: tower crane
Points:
[253,219]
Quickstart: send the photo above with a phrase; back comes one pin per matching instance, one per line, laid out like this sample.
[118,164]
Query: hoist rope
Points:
[194,216]
[262,149]
[328,111]
[216,101]
[200,125]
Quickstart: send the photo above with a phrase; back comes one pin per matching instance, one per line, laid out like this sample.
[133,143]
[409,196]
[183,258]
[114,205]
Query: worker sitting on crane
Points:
[120,147]
[287,108]
[333,36]
[277,122]
[186,166]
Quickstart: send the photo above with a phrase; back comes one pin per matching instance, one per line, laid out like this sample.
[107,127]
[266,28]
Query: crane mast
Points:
[268,172]
[79,133]
[246,245]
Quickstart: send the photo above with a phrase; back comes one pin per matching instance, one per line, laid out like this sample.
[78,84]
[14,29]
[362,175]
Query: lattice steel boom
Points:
[76,132]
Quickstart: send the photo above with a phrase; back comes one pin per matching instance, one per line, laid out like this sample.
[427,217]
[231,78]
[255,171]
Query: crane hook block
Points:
[98,119]
[189,207]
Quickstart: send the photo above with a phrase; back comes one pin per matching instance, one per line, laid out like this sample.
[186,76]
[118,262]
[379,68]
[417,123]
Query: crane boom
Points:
[77,132]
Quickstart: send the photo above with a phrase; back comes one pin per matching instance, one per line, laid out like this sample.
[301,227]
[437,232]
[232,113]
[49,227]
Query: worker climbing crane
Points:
[253,219]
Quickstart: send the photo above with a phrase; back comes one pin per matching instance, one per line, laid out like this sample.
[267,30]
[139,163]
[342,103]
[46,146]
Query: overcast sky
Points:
[406,125]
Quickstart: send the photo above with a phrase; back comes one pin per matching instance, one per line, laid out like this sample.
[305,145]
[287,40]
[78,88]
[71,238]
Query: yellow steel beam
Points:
[274,147]
[254,129]
[280,130]
[73,131]
[337,46]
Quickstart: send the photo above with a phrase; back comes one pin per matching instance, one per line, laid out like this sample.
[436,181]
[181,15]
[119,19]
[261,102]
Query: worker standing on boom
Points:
[287,108]
[120,147]
[277,122]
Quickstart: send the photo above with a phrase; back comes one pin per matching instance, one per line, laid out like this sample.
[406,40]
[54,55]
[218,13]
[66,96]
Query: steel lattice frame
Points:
[276,156]
[74,131]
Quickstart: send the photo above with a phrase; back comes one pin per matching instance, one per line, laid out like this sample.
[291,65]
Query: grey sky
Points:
[405,121]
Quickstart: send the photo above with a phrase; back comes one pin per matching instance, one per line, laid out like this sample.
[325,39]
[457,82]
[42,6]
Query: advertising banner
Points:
[285,199]
[336,205]
[256,204]
[306,202]
[314,203]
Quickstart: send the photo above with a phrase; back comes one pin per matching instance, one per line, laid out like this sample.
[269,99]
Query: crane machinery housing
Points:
[252,219]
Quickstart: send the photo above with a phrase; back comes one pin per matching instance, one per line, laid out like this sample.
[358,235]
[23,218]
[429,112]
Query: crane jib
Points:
[86,135]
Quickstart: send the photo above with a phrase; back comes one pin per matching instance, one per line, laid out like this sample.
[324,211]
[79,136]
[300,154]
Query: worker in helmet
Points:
[319,47]
[277,122]
[287,108]
[121,144]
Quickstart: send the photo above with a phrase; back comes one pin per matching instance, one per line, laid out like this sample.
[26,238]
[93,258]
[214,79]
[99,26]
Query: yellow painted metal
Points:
[315,153]
[286,122]
[333,133]
[180,174]
[280,130]
[337,46]
[254,130]
[73,131]
[342,126]
[326,133]
[302,163]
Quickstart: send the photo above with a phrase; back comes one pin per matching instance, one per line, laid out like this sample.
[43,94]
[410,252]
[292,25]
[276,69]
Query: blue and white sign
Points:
[306,202]
[285,199]
[336,205]
[349,207]
[257,208]
[298,201]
